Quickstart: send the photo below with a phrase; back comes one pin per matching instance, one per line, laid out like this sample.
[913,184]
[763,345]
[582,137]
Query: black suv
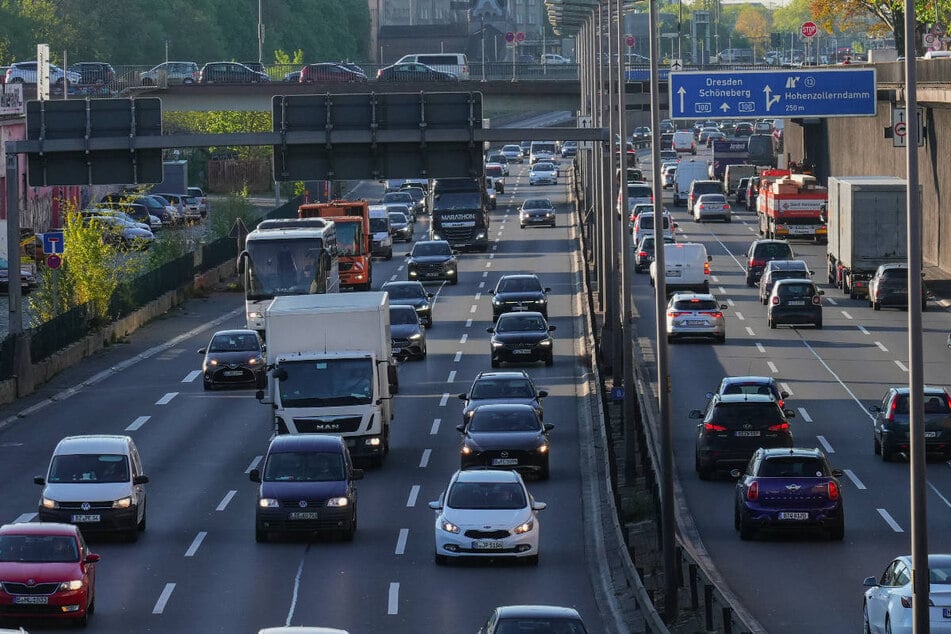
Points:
[94,73]
[761,252]
[498,386]
[518,293]
[432,260]
[781,270]
[411,294]
[641,136]
[230,73]
[889,288]
[734,426]
[892,420]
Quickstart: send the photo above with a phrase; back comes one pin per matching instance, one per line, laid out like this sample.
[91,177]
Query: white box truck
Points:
[331,369]
[866,218]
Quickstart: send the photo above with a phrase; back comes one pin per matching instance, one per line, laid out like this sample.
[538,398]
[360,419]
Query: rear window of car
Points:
[646,221]
[706,187]
[493,171]
[774,250]
[713,199]
[934,404]
[793,467]
[638,191]
[695,304]
[739,415]
[894,275]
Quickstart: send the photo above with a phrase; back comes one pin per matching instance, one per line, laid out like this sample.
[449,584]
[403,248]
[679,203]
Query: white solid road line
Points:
[191,376]
[444,399]
[938,493]
[254,464]
[165,400]
[424,460]
[435,428]
[199,538]
[772,367]
[825,444]
[163,598]
[413,494]
[223,504]
[901,365]
[401,541]
[863,330]
[804,414]
[137,423]
[297,578]
[458,357]
[890,521]
[760,347]
[881,346]
[836,377]
[393,599]
[855,479]
[26,517]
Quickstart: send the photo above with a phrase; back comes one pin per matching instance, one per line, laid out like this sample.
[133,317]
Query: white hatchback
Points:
[543,173]
[486,513]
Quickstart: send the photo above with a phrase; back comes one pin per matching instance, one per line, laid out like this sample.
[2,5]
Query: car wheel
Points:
[83,621]
[441,560]
[349,534]
[553,226]
[888,454]
[721,339]
[736,518]
[818,325]
[423,354]
[550,360]
[545,471]
[749,281]
[728,219]
[389,254]
[705,473]
[141,525]
[670,338]
[875,305]
[521,226]
[496,363]
[260,536]
[454,281]
[837,532]
[772,324]
[208,387]
[888,625]
[746,530]
[133,535]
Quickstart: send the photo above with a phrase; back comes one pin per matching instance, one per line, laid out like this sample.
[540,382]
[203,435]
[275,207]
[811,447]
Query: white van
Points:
[684,142]
[455,63]
[542,151]
[381,232]
[687,268]
[106,468]
[688,171]
[732,176]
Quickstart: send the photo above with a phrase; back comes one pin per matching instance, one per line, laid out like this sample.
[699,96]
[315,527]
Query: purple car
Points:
[788,489]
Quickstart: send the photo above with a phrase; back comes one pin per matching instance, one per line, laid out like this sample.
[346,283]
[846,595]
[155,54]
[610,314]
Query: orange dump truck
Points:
[352,221]
[792,207]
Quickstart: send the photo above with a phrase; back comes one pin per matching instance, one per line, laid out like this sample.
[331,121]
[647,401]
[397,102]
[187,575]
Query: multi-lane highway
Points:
[798,584]
[197,567]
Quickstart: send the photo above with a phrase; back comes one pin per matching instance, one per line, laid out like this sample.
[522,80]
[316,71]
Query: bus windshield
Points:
[288,267]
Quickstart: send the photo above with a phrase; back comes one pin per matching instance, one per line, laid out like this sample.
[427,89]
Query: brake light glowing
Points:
[833,491]
[713,427]
[752,492]
[816,300]
[714,314]
[755,262]
[775,300]
[706,268]
[891,411]
[779,427]
[642,254]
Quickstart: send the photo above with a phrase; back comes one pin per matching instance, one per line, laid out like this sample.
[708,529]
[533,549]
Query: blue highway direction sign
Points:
[800,92]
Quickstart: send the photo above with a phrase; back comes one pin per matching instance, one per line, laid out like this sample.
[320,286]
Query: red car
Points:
[329,72]
[47,572]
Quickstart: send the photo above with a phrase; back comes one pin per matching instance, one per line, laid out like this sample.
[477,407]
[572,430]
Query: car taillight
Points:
[726,206]
[781,403]
[755,262]
[833,491]
[706,268]
[816,300]
[675,313]
[642,254]
[752,491]
[775,301]
[713,427]
[891,411]
[715,314]
[778,427]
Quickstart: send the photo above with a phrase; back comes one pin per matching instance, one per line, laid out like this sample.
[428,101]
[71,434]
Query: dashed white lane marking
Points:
[458,357]
[488,265]
[846,314]
[760,347]
[485,274]
[424,460]
[435,428]
[393,277]
[881,346]
[452,376]
[481,285]
[855,479]
[722,290]
[137,423]
[163,598]
[413,494]
[223,504]
[444,399]
[464,338]
[832,301]
[254,464]
[863,330]
[401,541]
[901,365]
[825,444]
[393,598]
[25,518]
[938,493]
[890,521]
[199,538]
[473,308]
[750,332]
[785,388]
[191,376]
[740,316]
[468,323]
[748,228]
[730,302]
[772,367]
[804,414]
[492,255]
[715,279]
[165,400]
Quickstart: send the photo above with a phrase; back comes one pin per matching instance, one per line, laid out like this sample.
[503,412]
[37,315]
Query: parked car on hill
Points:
[170,73]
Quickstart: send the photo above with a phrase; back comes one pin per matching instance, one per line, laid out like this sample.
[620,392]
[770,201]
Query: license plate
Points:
[526,351]
[696,322]
[673,273]
[746,434]
[797,302]
[504,462]
[31,600]
[433,274]
[302,516]
[946,613]
[519,307]
[486,545]
[788,515]
[801,230]
[931,434]
[232,372]
[85,518]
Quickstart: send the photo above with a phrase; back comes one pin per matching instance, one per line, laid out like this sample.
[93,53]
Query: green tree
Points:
[887,16]
[788,18]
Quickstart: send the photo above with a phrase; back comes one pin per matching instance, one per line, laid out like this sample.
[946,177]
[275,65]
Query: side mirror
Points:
[490,330]
[870,582]
[463,397]
[838,473]
[91,558]
[551,329]
[408,256]
[140,479]
[821,292]
[549,427]
[695,413]
[202,351]
[39,480]
[539,506]
[280,374]
[784,394]
[735,473]
[461,429]
[435,505]
[254,475]
[546,290]
[430,295]
[789,413]
[724,306]
[709,258]
[541,394]
[709,395]
[356,474]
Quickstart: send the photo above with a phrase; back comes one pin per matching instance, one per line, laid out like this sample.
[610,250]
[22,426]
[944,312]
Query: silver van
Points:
[455,63]
[95,482]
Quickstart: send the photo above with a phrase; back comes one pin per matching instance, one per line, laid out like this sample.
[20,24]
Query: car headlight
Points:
[73,584]
[521,529]
[255,361]
[481,236]
[338,502]
[451,270]
[122,503]
[268,503]
[542,448]
[497,344]
[448,526]
[436,236]
[496,302]
[47,503]
[212,361]
[416,337]
[545,342]
[543,300]
[255,315]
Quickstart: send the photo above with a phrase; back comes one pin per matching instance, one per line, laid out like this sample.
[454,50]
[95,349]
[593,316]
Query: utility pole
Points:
[260,34]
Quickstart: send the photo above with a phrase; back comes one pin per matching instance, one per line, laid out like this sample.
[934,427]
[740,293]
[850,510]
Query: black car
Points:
[889,288]
[521,337]
[153,206]
[794,301]
[329,72]
[413,71]
[93,73]
[644,252]
[743,129]
[432,260]
[534,618]
[233,358]
[741,189]
[761,252]
[411,294]
[519,293]
[400,226]
[508,386]
[891,424]
[536,211]
[641,136]
[230,73]
[506,436]
[734,426]
[781,270]
[407,336]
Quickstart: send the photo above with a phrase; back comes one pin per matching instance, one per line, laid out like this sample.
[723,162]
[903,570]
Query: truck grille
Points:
[458,234]
[430,267]
[327,426]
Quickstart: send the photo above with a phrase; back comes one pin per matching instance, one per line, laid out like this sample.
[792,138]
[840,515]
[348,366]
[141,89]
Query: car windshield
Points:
[326,383]
[440,248]
[83,467]
[538,625]
[304,466]
[234,343]
[405,291]
[537,203]
[403,315]
[486,495]
[519,323]
[38,548]
[543,167]
[519,285]
[379,225]
[492,420]
[793,467]
[493,171]
[518,388]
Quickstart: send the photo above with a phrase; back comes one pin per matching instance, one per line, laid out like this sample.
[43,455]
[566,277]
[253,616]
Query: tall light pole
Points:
[260,34]
[482,32]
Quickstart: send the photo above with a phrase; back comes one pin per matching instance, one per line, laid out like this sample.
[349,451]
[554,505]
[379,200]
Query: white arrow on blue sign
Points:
[801,92]
[53,243]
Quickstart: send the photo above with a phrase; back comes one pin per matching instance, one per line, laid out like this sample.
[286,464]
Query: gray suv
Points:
[170,73]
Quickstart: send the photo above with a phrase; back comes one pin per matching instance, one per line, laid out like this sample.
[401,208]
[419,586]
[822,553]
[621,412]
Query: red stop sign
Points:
[808,29]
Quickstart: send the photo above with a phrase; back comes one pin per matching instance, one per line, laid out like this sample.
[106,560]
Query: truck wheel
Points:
[875,305]
[389,254]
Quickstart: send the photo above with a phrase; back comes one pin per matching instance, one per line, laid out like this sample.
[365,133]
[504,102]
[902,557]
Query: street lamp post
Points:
[260,34]
[482,31]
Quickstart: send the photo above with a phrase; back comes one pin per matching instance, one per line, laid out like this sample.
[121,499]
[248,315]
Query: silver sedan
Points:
[695,315]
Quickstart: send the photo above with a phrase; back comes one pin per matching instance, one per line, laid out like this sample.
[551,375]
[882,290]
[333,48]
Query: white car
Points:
[712,206]
[552,58]
[668,174]
[512,153]
[888,598]
[486,513]
[543,173]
